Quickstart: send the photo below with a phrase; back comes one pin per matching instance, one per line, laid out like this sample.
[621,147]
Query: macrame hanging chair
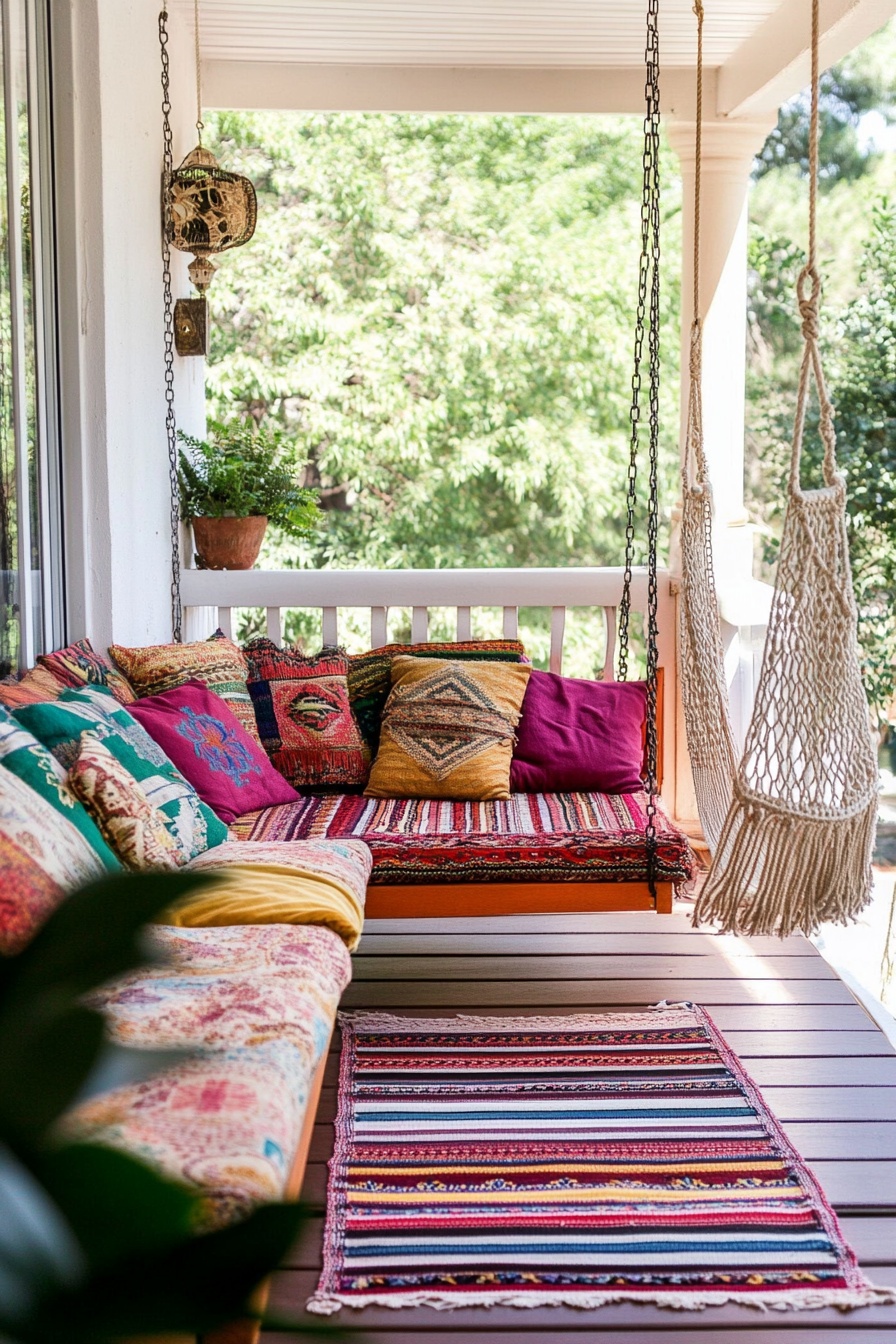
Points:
[795,848]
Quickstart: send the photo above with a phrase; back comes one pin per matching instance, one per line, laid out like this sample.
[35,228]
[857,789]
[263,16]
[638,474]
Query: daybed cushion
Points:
[571,837]
[31,688]
[317,882]
[258,1006]
[198,731]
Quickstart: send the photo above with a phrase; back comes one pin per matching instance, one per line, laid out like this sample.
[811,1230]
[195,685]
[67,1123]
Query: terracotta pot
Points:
[228,543]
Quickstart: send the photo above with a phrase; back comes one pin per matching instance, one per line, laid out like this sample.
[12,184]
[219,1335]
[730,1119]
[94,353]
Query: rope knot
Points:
[808,291]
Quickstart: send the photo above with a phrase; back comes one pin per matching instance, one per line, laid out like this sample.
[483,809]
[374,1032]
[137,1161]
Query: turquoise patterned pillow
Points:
[59,725]
[27,758]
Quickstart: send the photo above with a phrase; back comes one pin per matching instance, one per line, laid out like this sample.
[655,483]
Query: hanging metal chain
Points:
[168,298]
[649,191]
[653,67]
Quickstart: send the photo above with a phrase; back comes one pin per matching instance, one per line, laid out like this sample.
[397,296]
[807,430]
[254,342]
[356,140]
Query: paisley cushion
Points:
[79,664]
[59,725]
[137,831]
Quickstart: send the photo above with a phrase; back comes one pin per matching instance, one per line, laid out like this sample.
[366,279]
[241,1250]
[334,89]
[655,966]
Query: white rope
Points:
[704,690]
[795,850]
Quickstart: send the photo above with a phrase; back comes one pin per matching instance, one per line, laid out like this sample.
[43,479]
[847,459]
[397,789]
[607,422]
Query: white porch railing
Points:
[212,596]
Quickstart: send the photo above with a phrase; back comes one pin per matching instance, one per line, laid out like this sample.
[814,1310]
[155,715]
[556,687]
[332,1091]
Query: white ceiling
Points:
[516,33]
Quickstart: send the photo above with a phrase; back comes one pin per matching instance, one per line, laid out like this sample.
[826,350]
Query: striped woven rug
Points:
[568,1160]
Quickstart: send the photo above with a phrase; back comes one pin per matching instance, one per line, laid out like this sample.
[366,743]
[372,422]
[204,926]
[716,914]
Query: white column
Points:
[109,152]
[728,152]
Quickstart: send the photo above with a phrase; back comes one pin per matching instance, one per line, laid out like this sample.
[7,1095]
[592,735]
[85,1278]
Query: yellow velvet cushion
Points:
[271,893]
[448,730]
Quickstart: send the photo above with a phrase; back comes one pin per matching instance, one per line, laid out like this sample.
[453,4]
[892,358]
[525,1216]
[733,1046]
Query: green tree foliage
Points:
[863,82]
[440,309]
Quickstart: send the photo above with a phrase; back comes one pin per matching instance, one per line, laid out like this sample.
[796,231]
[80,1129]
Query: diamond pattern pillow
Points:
[448,730]
[59,726]
[216,662]
[136,831]
[370,674]
[304,716]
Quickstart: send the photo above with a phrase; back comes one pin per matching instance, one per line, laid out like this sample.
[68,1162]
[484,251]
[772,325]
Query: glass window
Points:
[29,533]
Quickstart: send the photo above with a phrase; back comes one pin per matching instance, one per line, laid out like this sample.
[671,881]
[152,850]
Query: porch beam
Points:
[290,86]
[773,64]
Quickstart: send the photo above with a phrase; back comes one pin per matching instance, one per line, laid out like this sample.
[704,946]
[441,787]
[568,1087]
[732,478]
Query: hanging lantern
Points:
[207,210]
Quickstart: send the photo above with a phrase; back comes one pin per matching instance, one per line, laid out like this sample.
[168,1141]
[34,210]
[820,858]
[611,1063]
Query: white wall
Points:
[109,145]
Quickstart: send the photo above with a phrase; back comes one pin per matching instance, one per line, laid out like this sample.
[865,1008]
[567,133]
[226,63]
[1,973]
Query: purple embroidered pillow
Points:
[578,736]
[201,736]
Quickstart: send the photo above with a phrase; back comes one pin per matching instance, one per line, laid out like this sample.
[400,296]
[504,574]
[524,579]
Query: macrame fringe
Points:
[781,874]
[678,1014]
[813,1299]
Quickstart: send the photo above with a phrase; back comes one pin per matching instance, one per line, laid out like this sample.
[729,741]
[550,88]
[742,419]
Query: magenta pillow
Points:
[201,735]
[578,736]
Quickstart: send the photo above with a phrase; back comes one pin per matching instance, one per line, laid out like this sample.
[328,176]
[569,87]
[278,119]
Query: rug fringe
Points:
[679,1014]
[811,1300]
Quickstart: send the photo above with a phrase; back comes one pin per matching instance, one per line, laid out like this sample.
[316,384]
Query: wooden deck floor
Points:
[823,1065]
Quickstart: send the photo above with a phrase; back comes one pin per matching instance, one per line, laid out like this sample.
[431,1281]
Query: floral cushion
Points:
[216,662]
[136,831]
[57,858]
[79,664]
[32,688]
[59,725]
[258,1005]
[228,769]
[23,755]
[28,896]
[304,716]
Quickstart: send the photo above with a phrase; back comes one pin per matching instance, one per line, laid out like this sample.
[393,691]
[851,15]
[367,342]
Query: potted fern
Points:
[236,481]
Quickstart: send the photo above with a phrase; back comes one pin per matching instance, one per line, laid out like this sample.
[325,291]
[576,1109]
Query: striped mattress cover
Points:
[532,837]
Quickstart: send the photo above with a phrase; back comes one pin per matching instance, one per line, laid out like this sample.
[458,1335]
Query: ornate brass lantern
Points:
[207,211]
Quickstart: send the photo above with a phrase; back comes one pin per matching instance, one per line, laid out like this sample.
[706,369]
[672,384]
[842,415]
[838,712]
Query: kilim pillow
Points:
[370,674]
[578,736]
[32,688]
[304,717]
[80,665]
[448,730]
[227,768]
[216,662]
[59,726]
[43,856]
[21,754]
[137,831]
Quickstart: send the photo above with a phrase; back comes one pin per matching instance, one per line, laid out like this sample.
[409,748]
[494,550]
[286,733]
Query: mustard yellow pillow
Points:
[448,730]
[270,893]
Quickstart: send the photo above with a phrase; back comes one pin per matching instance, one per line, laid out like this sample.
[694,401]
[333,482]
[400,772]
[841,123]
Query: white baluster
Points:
[379,636]
[330,632]
[558,625]
[273,623]
[225,621]
[511,622]
[419,625]
[609,673]
[464,624]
